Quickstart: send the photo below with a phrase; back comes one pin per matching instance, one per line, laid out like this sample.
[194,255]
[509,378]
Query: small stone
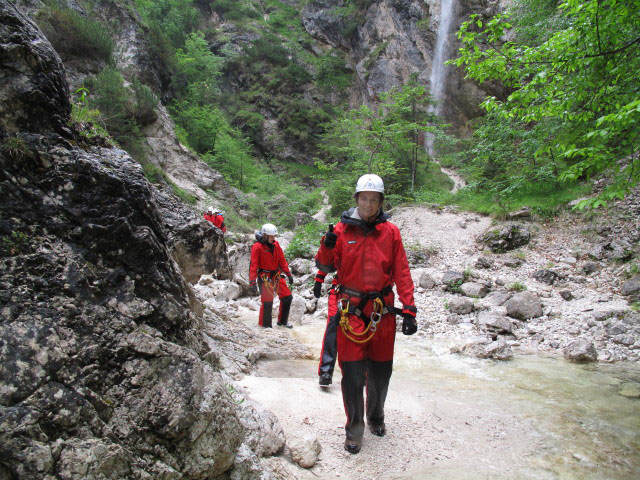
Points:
[566,294]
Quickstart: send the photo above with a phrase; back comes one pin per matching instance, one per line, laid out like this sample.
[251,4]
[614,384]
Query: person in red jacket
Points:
[367,252]
[265,273]
[329,342]
[214,216]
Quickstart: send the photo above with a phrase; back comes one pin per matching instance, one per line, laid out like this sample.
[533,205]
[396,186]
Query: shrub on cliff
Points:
[73,35]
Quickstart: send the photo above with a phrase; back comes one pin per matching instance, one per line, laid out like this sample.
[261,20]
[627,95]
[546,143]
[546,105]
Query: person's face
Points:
[271,238]
[368,205]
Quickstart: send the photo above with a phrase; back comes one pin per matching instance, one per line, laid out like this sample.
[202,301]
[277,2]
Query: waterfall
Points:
[439,70]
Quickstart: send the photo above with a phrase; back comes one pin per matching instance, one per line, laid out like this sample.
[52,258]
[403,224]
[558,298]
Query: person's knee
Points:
[286,300]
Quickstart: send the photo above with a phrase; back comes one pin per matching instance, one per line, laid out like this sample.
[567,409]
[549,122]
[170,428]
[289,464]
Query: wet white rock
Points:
[304,450]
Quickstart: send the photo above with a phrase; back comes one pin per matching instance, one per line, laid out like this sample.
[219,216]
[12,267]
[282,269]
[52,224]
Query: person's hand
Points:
[253,289]
[290,278]
[330,238]
[409,324]
[317,289]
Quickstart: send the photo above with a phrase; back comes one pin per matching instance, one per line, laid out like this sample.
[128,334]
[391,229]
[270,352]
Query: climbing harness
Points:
[372,326]
[379,310]
[270,281]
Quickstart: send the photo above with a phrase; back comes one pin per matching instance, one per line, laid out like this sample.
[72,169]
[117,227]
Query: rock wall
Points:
[104,369]
[395,40]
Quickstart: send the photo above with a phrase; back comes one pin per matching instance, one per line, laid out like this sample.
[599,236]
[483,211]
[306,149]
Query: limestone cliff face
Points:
[104,370]
[396,39]
[29,95]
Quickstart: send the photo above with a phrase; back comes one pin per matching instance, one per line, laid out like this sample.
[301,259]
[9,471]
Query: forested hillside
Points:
[284,98]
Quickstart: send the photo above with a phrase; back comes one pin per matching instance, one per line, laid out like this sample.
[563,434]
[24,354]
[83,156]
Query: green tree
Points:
[171,19]
[578,87]
[113,100]
[198,71]
[202,124]
[386,141]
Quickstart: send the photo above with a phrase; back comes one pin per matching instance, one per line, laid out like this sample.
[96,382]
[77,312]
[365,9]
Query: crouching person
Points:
[267,270]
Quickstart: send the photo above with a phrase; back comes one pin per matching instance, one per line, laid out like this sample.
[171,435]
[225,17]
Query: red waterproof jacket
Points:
[369,257]
[217,220]
[266,256]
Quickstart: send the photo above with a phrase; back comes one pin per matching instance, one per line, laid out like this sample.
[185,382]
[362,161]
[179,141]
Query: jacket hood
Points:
[263,239]
[351,217]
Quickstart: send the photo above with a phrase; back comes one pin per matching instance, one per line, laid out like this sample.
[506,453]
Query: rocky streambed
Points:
[525,364]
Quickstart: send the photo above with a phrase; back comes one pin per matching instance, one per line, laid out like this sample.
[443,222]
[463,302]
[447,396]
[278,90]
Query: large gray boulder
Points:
[473,289]
[452,280]
[581,350]
[545,276]
[104,370]
[460,305]
[304,450]
[524,306]
[485,348]
[493,322]
[427,281]
[507,237]
[631,287]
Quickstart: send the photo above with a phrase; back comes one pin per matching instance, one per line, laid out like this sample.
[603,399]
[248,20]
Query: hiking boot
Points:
[325,379]
[286,325]
[352,446]
[378,430]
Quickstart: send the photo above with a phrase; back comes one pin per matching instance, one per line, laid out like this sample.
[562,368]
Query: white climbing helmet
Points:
[370,183]
[210,210]
[269,229]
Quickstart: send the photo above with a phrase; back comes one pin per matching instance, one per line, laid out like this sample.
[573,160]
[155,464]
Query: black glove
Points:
[330,238]
[253,289]
[409,324]
[290,278]
[317,289]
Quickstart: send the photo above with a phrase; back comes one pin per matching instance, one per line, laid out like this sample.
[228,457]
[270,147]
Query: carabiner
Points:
[343,305]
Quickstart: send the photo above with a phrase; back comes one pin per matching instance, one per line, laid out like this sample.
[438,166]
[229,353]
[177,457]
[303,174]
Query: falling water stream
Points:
[439,70]
[438,78]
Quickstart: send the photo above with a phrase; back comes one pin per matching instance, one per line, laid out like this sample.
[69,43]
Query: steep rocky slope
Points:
[385,43]
[107,369]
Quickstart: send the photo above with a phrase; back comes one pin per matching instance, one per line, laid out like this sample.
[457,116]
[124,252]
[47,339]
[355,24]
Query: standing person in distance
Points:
[367,252]
[266,271]
[214,216]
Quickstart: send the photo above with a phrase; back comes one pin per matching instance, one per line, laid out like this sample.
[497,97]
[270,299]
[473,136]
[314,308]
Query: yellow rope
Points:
[271,284]
[347,329]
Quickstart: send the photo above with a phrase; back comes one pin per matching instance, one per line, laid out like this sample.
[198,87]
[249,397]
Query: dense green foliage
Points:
[73,35]
[170,19]
[574,106]
[114,102]
[306,241]
[387,141]
[221,129]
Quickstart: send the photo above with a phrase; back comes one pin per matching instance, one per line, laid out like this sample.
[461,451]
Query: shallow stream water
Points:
[587,416]
[585,419]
